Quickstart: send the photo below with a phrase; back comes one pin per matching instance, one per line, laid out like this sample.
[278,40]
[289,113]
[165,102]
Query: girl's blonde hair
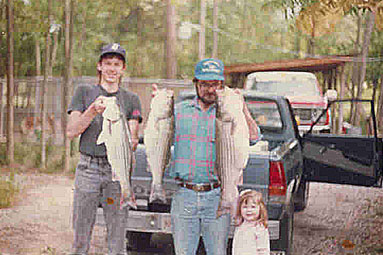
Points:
[256,196]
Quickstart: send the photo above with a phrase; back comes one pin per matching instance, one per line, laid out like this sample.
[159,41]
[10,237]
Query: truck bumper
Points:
[152,222]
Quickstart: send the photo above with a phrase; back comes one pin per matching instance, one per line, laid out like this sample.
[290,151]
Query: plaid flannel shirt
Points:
[194,143]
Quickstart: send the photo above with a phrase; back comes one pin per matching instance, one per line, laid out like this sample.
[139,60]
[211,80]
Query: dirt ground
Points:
[339,219]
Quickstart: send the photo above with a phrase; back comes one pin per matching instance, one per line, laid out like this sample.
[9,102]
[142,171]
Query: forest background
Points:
[164,39]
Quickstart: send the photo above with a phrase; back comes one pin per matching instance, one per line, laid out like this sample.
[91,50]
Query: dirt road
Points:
[40,222]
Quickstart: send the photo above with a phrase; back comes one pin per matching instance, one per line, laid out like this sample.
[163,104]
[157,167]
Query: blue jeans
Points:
[194,214]
[94,186]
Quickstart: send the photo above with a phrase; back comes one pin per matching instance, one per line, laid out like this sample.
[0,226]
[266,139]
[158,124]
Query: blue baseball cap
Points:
[209,69]
[113,48]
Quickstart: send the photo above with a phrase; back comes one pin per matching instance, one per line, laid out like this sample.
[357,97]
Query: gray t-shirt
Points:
[83,97]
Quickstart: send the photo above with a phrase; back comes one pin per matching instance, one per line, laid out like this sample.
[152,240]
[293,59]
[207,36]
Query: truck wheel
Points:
[137,241]
[302,196]
[290,247]
[289,232]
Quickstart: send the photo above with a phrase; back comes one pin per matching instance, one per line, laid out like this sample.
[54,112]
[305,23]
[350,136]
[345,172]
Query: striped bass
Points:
[232,147]
[158,137]
[116,136]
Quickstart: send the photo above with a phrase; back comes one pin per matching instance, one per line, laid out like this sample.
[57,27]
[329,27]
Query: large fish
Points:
[116,136]
[232,147]
[158,136]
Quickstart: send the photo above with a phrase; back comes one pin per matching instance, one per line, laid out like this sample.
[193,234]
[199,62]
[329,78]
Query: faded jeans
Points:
[194,214]
[94,186]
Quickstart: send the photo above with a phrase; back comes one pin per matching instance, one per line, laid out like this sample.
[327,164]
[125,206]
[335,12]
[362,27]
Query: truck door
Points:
[349,153]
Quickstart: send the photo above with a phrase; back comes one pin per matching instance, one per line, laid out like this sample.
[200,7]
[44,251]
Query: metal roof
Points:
[303,65]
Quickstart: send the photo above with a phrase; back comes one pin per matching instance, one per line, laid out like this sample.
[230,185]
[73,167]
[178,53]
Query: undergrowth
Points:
[8,191]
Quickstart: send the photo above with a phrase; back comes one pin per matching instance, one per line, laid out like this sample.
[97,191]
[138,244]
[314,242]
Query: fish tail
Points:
[157,193]
[128,200]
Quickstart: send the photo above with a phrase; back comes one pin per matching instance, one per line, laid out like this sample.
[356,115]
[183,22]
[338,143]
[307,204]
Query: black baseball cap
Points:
[113,48]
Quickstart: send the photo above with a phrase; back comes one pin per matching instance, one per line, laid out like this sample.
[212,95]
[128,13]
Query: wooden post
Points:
[341,96]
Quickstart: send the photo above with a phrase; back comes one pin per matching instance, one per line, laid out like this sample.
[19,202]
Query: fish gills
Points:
[116,136]
[158,137]
[232,147]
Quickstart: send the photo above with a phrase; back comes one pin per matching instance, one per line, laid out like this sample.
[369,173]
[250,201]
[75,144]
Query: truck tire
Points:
[290,234]
[137,241]
[286,231]
[302,196]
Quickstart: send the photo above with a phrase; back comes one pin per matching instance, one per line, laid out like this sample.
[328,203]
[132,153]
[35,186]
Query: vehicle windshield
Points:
[287,88]
[266,114]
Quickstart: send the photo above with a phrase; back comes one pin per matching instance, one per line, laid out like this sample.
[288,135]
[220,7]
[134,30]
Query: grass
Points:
[28,155]
[8,191]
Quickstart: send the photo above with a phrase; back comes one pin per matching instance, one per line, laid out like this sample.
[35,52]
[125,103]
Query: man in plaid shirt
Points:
[194,205]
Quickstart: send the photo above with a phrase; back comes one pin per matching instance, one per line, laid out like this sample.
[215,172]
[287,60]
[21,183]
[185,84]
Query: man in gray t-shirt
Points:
[93,181]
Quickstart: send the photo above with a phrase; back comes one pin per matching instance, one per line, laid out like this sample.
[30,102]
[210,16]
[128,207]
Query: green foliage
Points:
[8,190]
[250,31]
[29,156]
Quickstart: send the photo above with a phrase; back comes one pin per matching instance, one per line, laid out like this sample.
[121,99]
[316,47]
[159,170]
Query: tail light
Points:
[277,182]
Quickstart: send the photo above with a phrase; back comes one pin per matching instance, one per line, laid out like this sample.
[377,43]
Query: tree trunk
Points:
[201,45]
[10,83]
[67,84]
[54,52]
[215,28]
[83,32]
[47,71]
[171,43]
[380,107]
[362,71]
[38,56]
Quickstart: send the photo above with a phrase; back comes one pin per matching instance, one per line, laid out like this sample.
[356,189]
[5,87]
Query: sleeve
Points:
[135,109]
[263,242]
[77,103]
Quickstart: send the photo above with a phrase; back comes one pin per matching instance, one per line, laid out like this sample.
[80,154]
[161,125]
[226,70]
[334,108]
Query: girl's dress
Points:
[251,238]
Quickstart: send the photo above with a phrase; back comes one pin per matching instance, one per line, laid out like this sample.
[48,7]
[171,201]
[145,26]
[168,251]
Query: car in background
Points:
[303,91]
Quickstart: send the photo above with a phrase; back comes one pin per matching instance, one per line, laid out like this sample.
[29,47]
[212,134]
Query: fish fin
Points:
[101,138]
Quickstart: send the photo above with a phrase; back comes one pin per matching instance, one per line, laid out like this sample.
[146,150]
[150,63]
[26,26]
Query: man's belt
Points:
[199,187]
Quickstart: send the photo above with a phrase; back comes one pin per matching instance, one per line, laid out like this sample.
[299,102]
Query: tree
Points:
[10,83]
[171,43]
[322,16]
[47,77]
[67,84]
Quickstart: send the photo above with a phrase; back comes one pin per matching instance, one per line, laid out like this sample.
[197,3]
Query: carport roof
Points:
[303,65]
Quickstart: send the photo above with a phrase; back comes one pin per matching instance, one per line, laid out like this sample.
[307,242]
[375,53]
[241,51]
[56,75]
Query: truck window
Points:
[287,88]
[266,114]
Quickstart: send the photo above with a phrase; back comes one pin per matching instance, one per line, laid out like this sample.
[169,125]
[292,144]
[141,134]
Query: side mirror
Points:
[331,94]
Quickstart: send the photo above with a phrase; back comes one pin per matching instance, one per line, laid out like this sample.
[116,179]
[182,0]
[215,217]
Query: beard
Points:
[205,100]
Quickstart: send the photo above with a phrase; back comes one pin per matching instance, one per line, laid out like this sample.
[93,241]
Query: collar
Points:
[194,103]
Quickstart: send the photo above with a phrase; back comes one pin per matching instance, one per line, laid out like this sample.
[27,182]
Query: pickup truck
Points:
[303,91]
[280,166]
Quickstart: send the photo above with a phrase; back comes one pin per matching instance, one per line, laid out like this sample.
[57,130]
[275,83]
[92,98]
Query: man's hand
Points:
[99,104]
[134,143]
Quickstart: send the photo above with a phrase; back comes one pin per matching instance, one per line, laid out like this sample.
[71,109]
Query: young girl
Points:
[251,235]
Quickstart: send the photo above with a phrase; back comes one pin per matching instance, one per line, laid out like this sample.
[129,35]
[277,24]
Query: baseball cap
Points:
[209,69]
[113,48]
